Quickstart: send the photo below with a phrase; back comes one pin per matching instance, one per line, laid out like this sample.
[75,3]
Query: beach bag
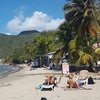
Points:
[90,80]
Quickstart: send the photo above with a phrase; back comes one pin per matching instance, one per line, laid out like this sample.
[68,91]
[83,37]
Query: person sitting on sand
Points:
[49,83]
[71,82]
[50,79]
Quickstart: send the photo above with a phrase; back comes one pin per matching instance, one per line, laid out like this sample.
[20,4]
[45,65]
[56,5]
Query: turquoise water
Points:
[4,69]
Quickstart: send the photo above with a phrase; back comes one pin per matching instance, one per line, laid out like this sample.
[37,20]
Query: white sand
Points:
[21,86]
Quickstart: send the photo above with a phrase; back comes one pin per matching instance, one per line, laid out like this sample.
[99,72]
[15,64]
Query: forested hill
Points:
[29,32]
[9,42]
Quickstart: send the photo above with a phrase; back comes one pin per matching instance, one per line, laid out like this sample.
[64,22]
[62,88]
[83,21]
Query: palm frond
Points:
[85,58]
[72,44]
[94,27]
[97,51]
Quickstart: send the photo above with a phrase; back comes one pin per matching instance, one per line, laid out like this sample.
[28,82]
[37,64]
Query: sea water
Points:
[5,69]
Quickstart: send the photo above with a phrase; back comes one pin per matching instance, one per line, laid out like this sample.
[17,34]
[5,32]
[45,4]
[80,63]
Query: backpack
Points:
[90,80]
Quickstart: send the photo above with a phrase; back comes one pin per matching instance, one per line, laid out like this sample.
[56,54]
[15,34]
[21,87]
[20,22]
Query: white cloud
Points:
[38,21]
[7,33]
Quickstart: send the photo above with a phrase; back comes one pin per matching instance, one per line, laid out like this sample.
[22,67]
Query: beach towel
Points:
[82,81]
[47,87]
[43,87]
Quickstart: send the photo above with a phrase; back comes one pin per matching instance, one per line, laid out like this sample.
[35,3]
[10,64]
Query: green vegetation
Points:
[73,39]
[26,47]
[80,31]
[41,44]
[8,43]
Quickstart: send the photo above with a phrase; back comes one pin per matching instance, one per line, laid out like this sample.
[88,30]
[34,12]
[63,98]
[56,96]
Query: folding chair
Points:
[83,77]
[65,69]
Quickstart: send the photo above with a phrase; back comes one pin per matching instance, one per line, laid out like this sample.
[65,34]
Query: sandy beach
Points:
[21,86]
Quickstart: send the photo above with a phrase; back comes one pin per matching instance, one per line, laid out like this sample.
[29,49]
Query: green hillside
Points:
[10,42]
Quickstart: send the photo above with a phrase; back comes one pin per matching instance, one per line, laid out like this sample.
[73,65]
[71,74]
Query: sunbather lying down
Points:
[50,79]
[73,84]
[49,83]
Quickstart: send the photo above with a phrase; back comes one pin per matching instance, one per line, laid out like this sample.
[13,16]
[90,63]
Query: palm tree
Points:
[63,38]
[80,15]
[79,31]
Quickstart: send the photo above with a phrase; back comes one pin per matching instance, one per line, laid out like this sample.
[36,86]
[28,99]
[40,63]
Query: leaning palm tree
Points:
[80,17]
[80,14]
[80,30]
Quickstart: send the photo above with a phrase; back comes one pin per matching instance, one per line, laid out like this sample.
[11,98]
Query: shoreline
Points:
[23,70]
[13,74]
[21,86]
[14,69]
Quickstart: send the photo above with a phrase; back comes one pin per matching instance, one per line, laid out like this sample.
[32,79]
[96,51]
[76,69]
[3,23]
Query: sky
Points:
[21,15]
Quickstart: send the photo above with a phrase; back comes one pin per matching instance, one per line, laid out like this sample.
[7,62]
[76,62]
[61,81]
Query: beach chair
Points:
[47,87]
[65,69]
[83,77]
